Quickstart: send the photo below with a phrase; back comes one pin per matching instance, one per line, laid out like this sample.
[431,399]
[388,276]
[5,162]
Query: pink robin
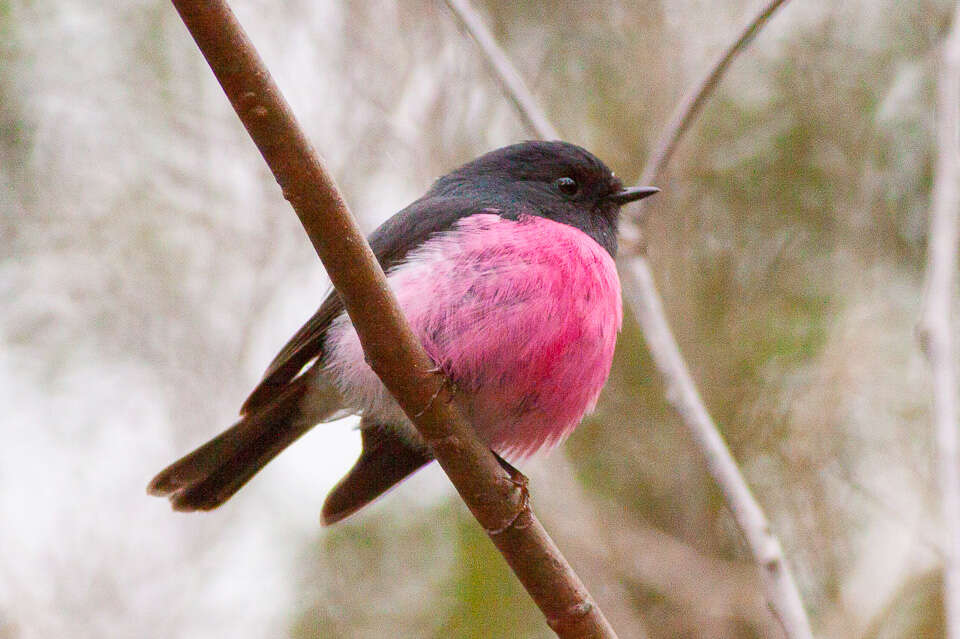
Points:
[505,270]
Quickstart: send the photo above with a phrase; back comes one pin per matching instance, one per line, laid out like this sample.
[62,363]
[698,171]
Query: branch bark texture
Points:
[643,298]
[936,324]
[391,348]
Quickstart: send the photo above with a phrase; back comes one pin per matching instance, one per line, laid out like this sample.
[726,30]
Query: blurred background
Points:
[150,269]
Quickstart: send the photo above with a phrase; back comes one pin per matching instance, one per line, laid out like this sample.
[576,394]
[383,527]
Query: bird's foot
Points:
[517,478]
[446,382]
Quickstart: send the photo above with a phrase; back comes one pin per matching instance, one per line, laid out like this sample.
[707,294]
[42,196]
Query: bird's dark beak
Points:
[632,194]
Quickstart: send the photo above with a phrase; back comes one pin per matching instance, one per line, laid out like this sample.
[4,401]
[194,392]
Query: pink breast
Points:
[523,315]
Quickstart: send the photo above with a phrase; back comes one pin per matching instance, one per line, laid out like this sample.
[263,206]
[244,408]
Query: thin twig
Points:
[391,348]
[641,294]
[512,83]
[689,107]
[640,291]
[643,298]
[936,325]
[623,552]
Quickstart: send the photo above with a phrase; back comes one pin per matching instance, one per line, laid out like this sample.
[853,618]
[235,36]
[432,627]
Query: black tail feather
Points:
[210,475]
[385,461]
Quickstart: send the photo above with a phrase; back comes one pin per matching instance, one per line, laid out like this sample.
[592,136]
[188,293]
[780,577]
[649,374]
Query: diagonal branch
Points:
[688,108]
[936,325]
[513,85]
[619,553]
[780,588]
[391,348]
[642,296]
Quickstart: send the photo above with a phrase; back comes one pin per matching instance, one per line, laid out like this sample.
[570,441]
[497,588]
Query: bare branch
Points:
[633,552]
[641,293]
[513,85]
[936,325]
[689,107]
[780,588]
[642,296]
[391,348]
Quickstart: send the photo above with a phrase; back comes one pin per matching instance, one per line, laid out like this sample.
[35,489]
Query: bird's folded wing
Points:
[391,242]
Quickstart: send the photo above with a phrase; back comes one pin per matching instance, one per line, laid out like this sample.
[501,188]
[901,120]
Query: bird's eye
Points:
[567,186]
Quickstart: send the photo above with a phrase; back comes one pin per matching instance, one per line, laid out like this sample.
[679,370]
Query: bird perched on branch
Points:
[505,271]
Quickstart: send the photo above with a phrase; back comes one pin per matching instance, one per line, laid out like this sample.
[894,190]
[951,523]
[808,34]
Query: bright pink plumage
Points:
[504,269]
[523,315]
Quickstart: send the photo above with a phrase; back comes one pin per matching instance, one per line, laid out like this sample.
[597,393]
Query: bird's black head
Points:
[555,180]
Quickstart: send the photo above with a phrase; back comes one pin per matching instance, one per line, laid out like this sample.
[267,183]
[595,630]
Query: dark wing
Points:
[391,242]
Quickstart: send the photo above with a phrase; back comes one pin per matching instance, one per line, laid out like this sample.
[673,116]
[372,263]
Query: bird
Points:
[505,271]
